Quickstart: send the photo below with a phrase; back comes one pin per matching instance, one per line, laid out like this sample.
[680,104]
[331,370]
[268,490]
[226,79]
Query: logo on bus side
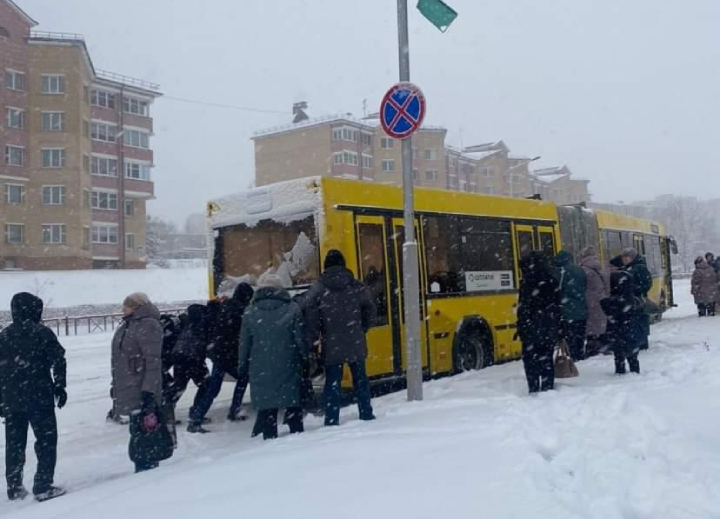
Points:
[482,281]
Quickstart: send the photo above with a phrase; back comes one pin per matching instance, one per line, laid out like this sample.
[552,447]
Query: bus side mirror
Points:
[673,246]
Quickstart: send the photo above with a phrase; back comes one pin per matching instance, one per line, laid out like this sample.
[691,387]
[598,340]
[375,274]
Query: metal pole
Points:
[411,275]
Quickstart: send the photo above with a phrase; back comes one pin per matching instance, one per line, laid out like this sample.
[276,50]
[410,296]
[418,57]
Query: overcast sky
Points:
[626,93]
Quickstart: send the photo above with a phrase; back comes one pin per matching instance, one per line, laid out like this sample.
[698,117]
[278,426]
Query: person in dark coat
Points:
[704,287]
[632,262]
[625,332]
[32,382]
[340,310]
[573,298]
[223,351]
[272,346]
[136,367]
[539,314]
[712,261]
[189,364]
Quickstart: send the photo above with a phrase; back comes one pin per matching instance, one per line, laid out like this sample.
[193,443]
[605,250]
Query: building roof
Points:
[488,146]
[369,123]
[480,155]
[22,13]
[556,170]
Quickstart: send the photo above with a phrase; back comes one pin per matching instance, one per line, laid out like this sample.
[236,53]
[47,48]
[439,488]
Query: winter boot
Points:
[17,493]
[50,493]
[239,416]
[196,428]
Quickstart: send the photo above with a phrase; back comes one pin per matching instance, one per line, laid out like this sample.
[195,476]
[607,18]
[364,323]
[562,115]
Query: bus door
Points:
[399,239]
[526,242]
[373,262]
[546,234]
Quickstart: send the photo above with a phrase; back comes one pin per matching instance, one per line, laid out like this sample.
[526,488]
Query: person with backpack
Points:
[137,381]
[632,262]
[340,310]
[539,313]
[188,358]
[225,324]
[625,332]
[704,287]
[573,299]
[32,382]
[273,344]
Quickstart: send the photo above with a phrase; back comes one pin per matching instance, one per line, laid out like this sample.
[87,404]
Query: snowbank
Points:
[61,289]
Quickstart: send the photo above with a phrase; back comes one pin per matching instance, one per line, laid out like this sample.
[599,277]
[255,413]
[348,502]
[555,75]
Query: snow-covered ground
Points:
[63,289]
[600,447]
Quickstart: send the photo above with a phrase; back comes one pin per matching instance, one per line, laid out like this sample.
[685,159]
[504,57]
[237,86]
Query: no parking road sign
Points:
[402,110]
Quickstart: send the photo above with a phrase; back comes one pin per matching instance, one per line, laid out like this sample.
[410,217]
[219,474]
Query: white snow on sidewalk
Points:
[62,289]
[601,446]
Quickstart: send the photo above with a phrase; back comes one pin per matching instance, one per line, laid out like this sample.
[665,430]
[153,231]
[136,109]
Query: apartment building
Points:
[76,174]
[556,184]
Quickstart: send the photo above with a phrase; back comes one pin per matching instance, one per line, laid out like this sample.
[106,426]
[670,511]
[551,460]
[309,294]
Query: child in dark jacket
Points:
[625,331]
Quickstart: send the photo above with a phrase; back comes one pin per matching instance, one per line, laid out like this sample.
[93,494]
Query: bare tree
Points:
[692,224]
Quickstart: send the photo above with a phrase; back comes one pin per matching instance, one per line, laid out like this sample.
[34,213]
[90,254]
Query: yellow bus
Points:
[469,245]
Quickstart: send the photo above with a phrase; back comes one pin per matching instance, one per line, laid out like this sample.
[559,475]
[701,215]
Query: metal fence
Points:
[88,324]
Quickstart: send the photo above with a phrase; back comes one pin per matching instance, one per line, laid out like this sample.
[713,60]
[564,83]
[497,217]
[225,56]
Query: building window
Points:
[137,171]
[431,154]
[136,139]
[53,121]
[386,143]
[367,139]
[431,175]
[53,195]
[15,118]
[467,169]
[129,242]
[14,80]
[14,194]
[416,175]
[14,233]
[53,158]
[487,172]
[388,166]
[53,233]
[103,166]
[453,180]
[4,33]
[14,155]
[104,234]
[367,162]
[104,200]
[102,98]
[86,238]
[345,134]
[135,106]
[103,132]
[345,157]
[53,84]
[129,208]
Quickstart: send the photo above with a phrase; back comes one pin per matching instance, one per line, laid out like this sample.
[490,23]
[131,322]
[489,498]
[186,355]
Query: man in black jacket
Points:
[339,310]
[632,262]
[32,380]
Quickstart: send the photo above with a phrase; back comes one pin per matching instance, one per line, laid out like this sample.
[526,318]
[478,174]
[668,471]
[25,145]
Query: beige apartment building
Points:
[346,147]
[76,172]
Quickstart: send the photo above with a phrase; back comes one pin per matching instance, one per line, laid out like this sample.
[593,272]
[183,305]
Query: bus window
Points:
[615,244]
[547,242]
[486,254]
[525,242]
[373,269]
[442,251]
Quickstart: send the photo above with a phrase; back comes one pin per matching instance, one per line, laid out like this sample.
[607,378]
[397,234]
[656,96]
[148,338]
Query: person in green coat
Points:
[272,348]
[573,298]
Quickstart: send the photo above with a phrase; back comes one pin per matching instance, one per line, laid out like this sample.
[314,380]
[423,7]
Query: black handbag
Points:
[147,447]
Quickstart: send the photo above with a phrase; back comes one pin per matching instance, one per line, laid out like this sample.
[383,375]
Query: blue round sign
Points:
[402,110]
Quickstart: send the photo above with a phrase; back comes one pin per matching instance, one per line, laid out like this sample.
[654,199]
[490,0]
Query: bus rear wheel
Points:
[474,352]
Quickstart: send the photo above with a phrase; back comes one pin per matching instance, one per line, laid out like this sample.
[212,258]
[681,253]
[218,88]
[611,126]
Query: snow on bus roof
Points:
[282,202]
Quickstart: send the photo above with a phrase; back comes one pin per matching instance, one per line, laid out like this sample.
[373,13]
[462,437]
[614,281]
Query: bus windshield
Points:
[290,250]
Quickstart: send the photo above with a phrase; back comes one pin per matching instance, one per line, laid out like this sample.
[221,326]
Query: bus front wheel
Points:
[474,352]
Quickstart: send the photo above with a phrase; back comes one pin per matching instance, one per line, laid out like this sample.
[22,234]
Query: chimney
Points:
[299,114]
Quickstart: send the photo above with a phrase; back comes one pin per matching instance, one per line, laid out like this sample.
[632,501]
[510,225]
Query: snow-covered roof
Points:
[556,170]
[369,123]
[283,202]
[22,13]
[549,179]
[481,155]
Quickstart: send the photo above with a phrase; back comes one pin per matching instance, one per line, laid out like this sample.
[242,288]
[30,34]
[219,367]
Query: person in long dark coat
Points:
[189,364]
[137,367]
[573,299]
[340,311]
[704,287]
[632,262]
[625,332]
[225,327]
[539,314]
[273,344]
[32,383]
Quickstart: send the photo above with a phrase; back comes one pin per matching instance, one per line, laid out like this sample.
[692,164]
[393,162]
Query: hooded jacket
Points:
[704,284]
[573,287]
[340,312]
[642,278]
[226,328]
[136,365]
[272,347]
[191,346]
[539,310]
[32,361]
[598,288]
[624,310]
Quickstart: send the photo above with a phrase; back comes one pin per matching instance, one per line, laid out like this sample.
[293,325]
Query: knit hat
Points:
[270,281]
[136,300]
[334,258]
[630,253]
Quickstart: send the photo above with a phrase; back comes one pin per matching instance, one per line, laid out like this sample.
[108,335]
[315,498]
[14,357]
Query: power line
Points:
[219,105]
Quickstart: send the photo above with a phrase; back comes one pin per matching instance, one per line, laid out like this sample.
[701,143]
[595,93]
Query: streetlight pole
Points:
[411,275]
